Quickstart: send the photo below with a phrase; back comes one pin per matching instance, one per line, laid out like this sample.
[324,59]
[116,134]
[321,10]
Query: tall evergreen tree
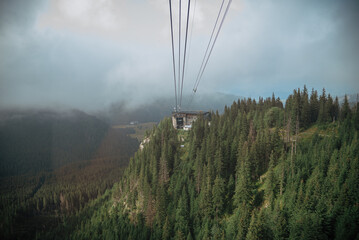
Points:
[305,114]
[345,110]
[323,114]
[270,183]
[243,190]
[218,195]
[314,106]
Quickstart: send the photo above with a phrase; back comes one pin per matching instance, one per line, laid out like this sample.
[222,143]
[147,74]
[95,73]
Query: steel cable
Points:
[214,42]
[173,54]
[185,49]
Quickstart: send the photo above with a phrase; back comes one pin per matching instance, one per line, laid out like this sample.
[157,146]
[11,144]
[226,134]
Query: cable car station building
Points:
[184,119]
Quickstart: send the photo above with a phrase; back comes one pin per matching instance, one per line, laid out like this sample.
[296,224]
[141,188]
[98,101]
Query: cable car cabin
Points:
[184,119]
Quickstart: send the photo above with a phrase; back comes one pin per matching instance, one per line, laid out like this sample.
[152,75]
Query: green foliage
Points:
[243,176]
[240,178]
[218,194]
[273,117]
[46,205]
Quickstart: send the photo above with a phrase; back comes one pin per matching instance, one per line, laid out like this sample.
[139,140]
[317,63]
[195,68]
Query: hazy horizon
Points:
[90,54]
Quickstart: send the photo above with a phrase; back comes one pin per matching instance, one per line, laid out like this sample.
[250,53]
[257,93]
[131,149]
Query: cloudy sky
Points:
[88,54]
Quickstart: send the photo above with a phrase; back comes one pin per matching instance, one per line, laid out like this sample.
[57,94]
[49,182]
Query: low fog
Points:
[91,54]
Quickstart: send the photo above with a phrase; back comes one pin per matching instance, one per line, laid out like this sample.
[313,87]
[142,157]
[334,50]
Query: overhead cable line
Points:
[190,35]
[206,58]
[214,42]
[179,77]
[179,49]
[185,49]
[190,43]
[209,44]
[173,55]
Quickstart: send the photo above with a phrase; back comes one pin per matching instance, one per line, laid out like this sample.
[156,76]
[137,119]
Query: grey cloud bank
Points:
[88,54]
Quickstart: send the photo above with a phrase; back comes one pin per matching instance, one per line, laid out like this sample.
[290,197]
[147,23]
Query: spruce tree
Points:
[218,196]
[345,109]
[314,106]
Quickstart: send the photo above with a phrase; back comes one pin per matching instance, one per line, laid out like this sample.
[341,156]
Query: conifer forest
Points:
[260,170]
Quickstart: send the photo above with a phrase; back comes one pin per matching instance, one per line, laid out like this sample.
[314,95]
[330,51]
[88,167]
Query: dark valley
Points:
[53,164]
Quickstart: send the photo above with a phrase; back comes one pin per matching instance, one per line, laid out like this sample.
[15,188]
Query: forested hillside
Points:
[32,141]
[53,164]
[258,171]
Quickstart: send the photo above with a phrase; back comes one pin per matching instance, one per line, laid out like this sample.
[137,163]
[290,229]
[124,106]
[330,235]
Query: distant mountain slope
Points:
[31,141]
[53,164]
[156,110]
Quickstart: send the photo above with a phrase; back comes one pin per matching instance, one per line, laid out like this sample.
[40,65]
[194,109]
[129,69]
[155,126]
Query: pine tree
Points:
[243,190]
[323,114]
[182,216]
[345,109]
[305,114]
[218,195]
[329,109]
[218,164]
[314,106]
[244,218]
[164,171]
[256,230]
[335,110]
[270,182]
[161,203]
[230,193]
[166,230]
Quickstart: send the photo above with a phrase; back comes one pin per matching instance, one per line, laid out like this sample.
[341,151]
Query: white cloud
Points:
[89,53]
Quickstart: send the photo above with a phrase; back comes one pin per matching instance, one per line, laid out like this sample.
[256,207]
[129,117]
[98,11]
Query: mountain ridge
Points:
[247,175]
